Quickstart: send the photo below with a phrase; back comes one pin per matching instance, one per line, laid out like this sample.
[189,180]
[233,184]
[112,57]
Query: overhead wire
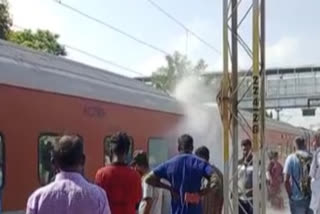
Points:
[158,7]
[91,55]
[102,59]
[105,24]
[135,38]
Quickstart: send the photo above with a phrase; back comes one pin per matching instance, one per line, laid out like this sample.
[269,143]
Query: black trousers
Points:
[245,207]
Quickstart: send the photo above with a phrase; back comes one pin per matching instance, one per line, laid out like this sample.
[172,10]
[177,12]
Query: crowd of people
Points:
[185,184]
[300,176]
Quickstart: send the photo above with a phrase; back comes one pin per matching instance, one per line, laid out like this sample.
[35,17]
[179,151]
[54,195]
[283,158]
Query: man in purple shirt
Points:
[69,193]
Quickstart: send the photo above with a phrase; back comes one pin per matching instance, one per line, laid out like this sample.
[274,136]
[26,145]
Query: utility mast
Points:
[230,98]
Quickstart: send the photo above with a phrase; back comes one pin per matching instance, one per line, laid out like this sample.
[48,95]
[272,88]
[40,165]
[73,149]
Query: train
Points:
[43,96]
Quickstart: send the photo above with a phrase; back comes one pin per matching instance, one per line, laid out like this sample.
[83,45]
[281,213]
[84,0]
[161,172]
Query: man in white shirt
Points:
[315,176]
[154,200]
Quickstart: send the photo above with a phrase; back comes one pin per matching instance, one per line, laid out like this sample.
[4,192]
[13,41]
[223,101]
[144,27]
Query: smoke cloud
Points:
[201,120]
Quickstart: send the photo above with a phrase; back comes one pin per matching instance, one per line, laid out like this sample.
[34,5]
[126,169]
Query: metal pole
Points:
[262,108]
[225,103]
[256,105]
[187,42]
[234,103]
[278,113]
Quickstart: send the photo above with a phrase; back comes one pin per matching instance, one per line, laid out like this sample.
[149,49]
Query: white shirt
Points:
[315,182]
[245,175]
[159,199]
[315,166]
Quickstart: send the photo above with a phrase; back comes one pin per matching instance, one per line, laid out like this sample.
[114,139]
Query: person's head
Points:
[50,145]
[203,152]
[273,155]
[276,156]
[270,155]
[300,143]
[185,144]
[140,162]
[119,147]
[246,146]
[316,139]
[67,154]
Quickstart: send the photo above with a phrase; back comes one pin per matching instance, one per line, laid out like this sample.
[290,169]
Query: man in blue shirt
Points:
[185,173]
[293,173]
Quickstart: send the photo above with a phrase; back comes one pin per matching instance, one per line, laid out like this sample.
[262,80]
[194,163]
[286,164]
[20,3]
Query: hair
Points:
[272,155]
[203,152]
[68,151]
[246,142]
[140,158]
[300,143]
[185,143]
[120,143]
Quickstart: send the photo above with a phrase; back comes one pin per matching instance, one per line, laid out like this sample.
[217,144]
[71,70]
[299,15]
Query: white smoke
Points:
[203,122]
[200,120]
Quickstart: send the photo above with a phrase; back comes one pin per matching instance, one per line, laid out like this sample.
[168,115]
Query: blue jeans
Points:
[300,207]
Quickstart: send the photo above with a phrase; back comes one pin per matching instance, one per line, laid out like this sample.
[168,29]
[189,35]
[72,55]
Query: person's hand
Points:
[174,194]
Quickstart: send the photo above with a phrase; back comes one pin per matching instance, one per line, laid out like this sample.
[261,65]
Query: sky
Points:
[292,33]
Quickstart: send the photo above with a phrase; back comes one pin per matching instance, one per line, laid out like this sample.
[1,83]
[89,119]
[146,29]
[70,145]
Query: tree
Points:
[5,19]
[42,40]
[178,66]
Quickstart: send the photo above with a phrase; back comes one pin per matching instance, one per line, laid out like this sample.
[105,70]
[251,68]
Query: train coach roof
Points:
[276,125]
[31,69]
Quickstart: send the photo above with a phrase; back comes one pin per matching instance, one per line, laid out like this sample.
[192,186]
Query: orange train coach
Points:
[43,96]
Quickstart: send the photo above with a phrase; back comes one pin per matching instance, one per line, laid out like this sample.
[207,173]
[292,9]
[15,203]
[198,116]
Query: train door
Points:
[158,151]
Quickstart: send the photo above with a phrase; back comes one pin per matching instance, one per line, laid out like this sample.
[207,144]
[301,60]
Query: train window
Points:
[107,151]
[2,162]
[158,151]
[46,171]
[45,168]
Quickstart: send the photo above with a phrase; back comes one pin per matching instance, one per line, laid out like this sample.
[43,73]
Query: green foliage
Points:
[42,40]
[178,66]
[5,19]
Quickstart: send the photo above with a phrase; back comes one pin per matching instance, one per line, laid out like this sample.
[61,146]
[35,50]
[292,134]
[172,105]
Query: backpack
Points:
[305,179]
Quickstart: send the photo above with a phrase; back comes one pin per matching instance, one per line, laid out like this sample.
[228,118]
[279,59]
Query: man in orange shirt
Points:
[121,183]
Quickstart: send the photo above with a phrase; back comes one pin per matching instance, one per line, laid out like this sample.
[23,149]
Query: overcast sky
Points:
[293,32]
